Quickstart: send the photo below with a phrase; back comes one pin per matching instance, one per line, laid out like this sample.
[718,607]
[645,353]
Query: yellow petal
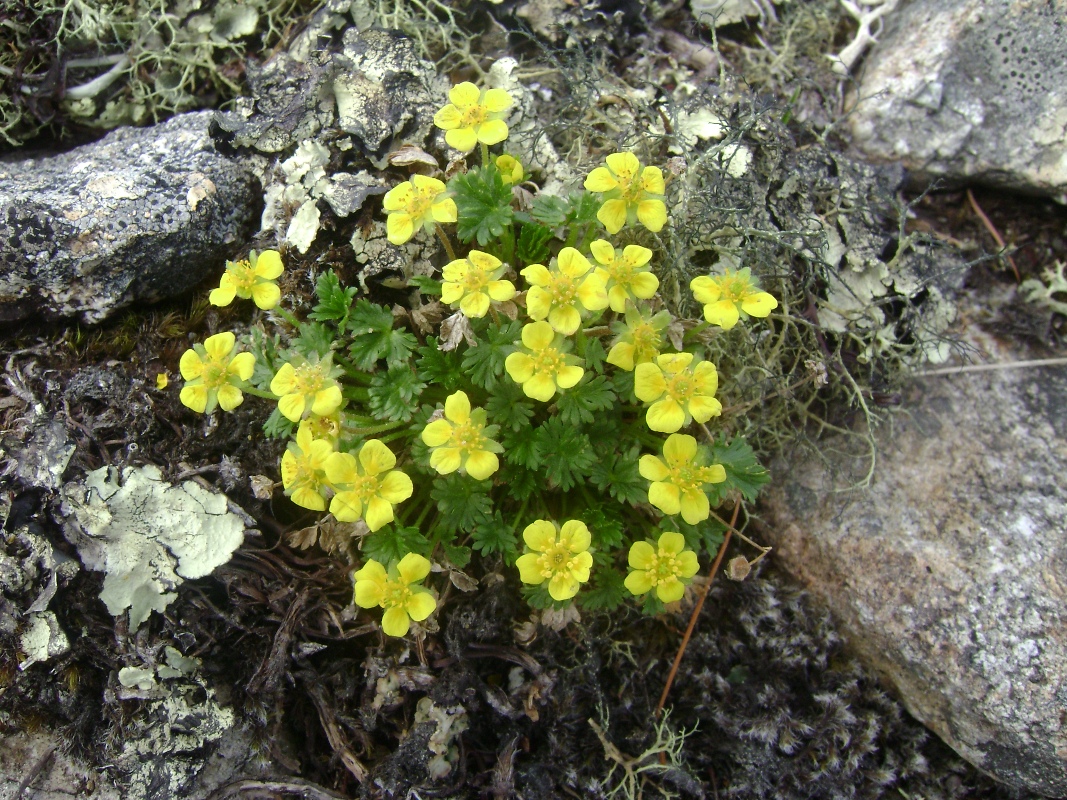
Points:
[537,335]
[306,497]
[399,228]
[562,587]
[448,118]
[446,460]
[537,275]
[569,376]
[665,497]
[475,305]
[540,387]
[283,382]
[376,458]
[638,582]
[194,397]
[396,487]
[341,469]
[705,289]
[292,407]
[695,506]
[421,605]
[613,215]
[269,264]
[679,449]
[722,313]
[396,622]
[218,347]
[636,256]
[759,305]
[221,296]
[346,506]
[371,571]
[413,568]
[671,542]
[617,298]
[538,303]
[399,197]
[652,180]
[576,535]
[652,469]
[600,180]
[649,384]
[451,292]
[624,164]
[465,94]
[565,320]
[529,571]
[492,131]
[437,433]
[704,408]
[652,214]
[642,556]
[644,285]
[519,367]
[496,100]
[592,293]
[572,263]
[665,416]
[687,564]
[464,139]
[622,356]
[456,271]
[266,295]
[580,566]
[230,397]
[444,211]
[603,251]
[243,365]
[501,290]
[484,261]
[378,513]
[458,408]
[539,535]
[481,464]
[670,590]
[191,365]
[428,185]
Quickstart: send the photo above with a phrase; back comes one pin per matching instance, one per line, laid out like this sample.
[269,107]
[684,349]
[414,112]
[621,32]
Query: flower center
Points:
[646,342]
[396,595]
[681,386]
[365,487]
[562,288]
[475,280]
[663,569]
[421,201]
[554,560]
[215,374]
[548,360]
[475,115]
[244,277]
[467,436]
[307,379]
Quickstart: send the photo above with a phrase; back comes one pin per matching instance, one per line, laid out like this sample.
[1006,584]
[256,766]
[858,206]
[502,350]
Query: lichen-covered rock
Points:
[947,574]
[969,90]
[141,215]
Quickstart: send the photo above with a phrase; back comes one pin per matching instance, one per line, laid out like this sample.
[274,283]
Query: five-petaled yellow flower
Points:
[679,390]
[303,470]
[368,487]
[560,556]
[626,275]
[308,388]
[462,440]
[418,203]
[556,293]
[639,339]
[545,366]
[667,568]
[212,377]
[253,279]
[510,169]
[396,591]
[473,282]
[630,193]
[473,116]
[731,296]
[679,478]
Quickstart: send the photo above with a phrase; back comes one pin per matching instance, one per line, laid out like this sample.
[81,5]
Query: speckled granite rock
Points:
[143,214]
[949,574]
[970,90]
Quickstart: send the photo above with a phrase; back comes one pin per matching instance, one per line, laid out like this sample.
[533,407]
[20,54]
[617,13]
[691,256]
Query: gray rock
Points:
[947,573]
[141,215]
[970,90]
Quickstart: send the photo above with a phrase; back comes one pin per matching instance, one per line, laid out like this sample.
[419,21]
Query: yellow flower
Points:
[326,426]
[395,591]
[473,282]
[678,479]
[545,366]
[730,297]
[679,391]
[560,556]
[162,380]
[473,116]
[212,377]
[556,293]
[253,279]
[510,169]
[308,388]
[462,440]
[639,338]
[416,204]
[303,470]
[369,487]
[666,568]
[626,276]
[630,193]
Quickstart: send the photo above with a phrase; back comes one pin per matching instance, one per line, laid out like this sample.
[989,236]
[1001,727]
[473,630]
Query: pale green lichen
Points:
[1041,293]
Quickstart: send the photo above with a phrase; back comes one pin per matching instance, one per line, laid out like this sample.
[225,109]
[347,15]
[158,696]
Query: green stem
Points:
[259,393]
[356,393]
[445,241]
[485,154]
[372,430]
[287,316]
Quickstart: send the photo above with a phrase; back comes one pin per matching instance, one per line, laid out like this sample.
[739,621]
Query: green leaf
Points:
[743,471]
[582,208]
[605,526]
[483,202]
[565,453]
[393,542]
[594,356]
[651,605]
[579,404]
[278,426]
[425,284]
[496,536]
[619,475]
[521,447]
[393,395]
[538,596]
[334,301]
[314,339]
[439,367]
[706,535]
[532,247]
[459,555]
[509,407]
[549,210]
[623,382]
[607,591]
[484,363]
[464,503]
[373,337]
[521,482]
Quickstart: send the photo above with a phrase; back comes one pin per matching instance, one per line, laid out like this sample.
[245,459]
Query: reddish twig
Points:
[696,611]
[994,233]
